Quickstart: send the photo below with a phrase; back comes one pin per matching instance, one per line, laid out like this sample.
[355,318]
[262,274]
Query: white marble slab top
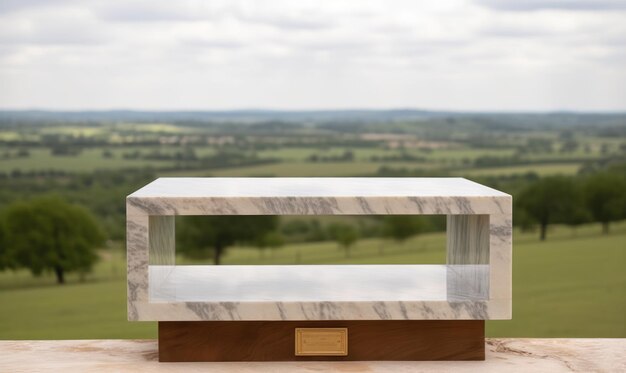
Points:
[318,283]
[215,187]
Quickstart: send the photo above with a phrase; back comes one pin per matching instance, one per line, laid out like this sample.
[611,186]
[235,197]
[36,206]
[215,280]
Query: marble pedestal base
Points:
[399,340]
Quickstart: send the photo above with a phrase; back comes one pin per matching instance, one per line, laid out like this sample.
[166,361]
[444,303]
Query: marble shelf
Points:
[474,284]
[318,283]
[305,292]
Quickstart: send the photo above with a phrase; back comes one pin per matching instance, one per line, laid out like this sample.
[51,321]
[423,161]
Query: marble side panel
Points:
[162,240]
[137,247]
[501,256]
[467,245]
[162,250]
[467,282]
[467,239]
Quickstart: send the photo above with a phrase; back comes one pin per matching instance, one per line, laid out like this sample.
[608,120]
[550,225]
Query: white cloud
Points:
[534,5]
[312,54]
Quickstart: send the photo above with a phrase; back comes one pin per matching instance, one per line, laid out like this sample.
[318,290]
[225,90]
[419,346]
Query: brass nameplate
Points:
[321,341]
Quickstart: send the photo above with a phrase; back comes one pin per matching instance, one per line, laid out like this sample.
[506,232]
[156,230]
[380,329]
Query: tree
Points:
[549,200]
[201,235]
[270,240]
[48,233]
[570,146]
[605,197]
[539,145]
[401,227]
[107,153]
[523,220]
[23,153]
[578,216]
[345,235]
[348,155]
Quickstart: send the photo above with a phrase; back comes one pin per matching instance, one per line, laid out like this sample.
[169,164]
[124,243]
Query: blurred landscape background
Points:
[565,171]
[524,96]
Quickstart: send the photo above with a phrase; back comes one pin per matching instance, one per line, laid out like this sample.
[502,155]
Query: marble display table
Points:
[382,312]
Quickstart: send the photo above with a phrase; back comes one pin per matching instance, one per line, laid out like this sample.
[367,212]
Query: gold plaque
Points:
[321,341]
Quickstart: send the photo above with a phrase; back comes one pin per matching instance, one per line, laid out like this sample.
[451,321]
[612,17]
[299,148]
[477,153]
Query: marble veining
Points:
[476,283]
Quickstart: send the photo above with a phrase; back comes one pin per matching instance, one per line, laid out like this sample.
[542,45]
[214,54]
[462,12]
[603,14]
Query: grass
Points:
[355,168]
[302,153]
[539,169]
[572,285]
[88,160]
[293,161]
[91,159]
[37,308]
[298,154]
[159,128]
[76,131]
[468,153]
[568,287]
[365,154]
[73,311]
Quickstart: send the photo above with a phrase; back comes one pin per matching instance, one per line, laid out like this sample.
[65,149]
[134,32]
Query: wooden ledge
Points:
[502,355]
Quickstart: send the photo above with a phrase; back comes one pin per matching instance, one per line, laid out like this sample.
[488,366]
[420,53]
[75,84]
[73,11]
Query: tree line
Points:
[600,197]
[51,234]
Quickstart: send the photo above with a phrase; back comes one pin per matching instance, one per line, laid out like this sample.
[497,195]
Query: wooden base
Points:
[367,340]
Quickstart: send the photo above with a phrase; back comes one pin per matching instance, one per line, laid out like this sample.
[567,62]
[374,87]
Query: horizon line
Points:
[318,110]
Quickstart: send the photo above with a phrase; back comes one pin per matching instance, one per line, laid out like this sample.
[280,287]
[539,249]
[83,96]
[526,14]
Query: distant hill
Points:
[315,116]
[324,117]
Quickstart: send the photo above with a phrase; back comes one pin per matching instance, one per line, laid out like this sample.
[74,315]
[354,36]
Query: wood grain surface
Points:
[368,340]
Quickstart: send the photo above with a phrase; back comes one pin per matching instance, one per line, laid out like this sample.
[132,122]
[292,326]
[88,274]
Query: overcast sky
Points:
[296,54]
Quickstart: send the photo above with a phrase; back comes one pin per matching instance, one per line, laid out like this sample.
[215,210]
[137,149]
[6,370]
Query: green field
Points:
[357,168]
[572,285]
[290,161]
[87,160]
[302,153]
[539,169]
[468,153]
